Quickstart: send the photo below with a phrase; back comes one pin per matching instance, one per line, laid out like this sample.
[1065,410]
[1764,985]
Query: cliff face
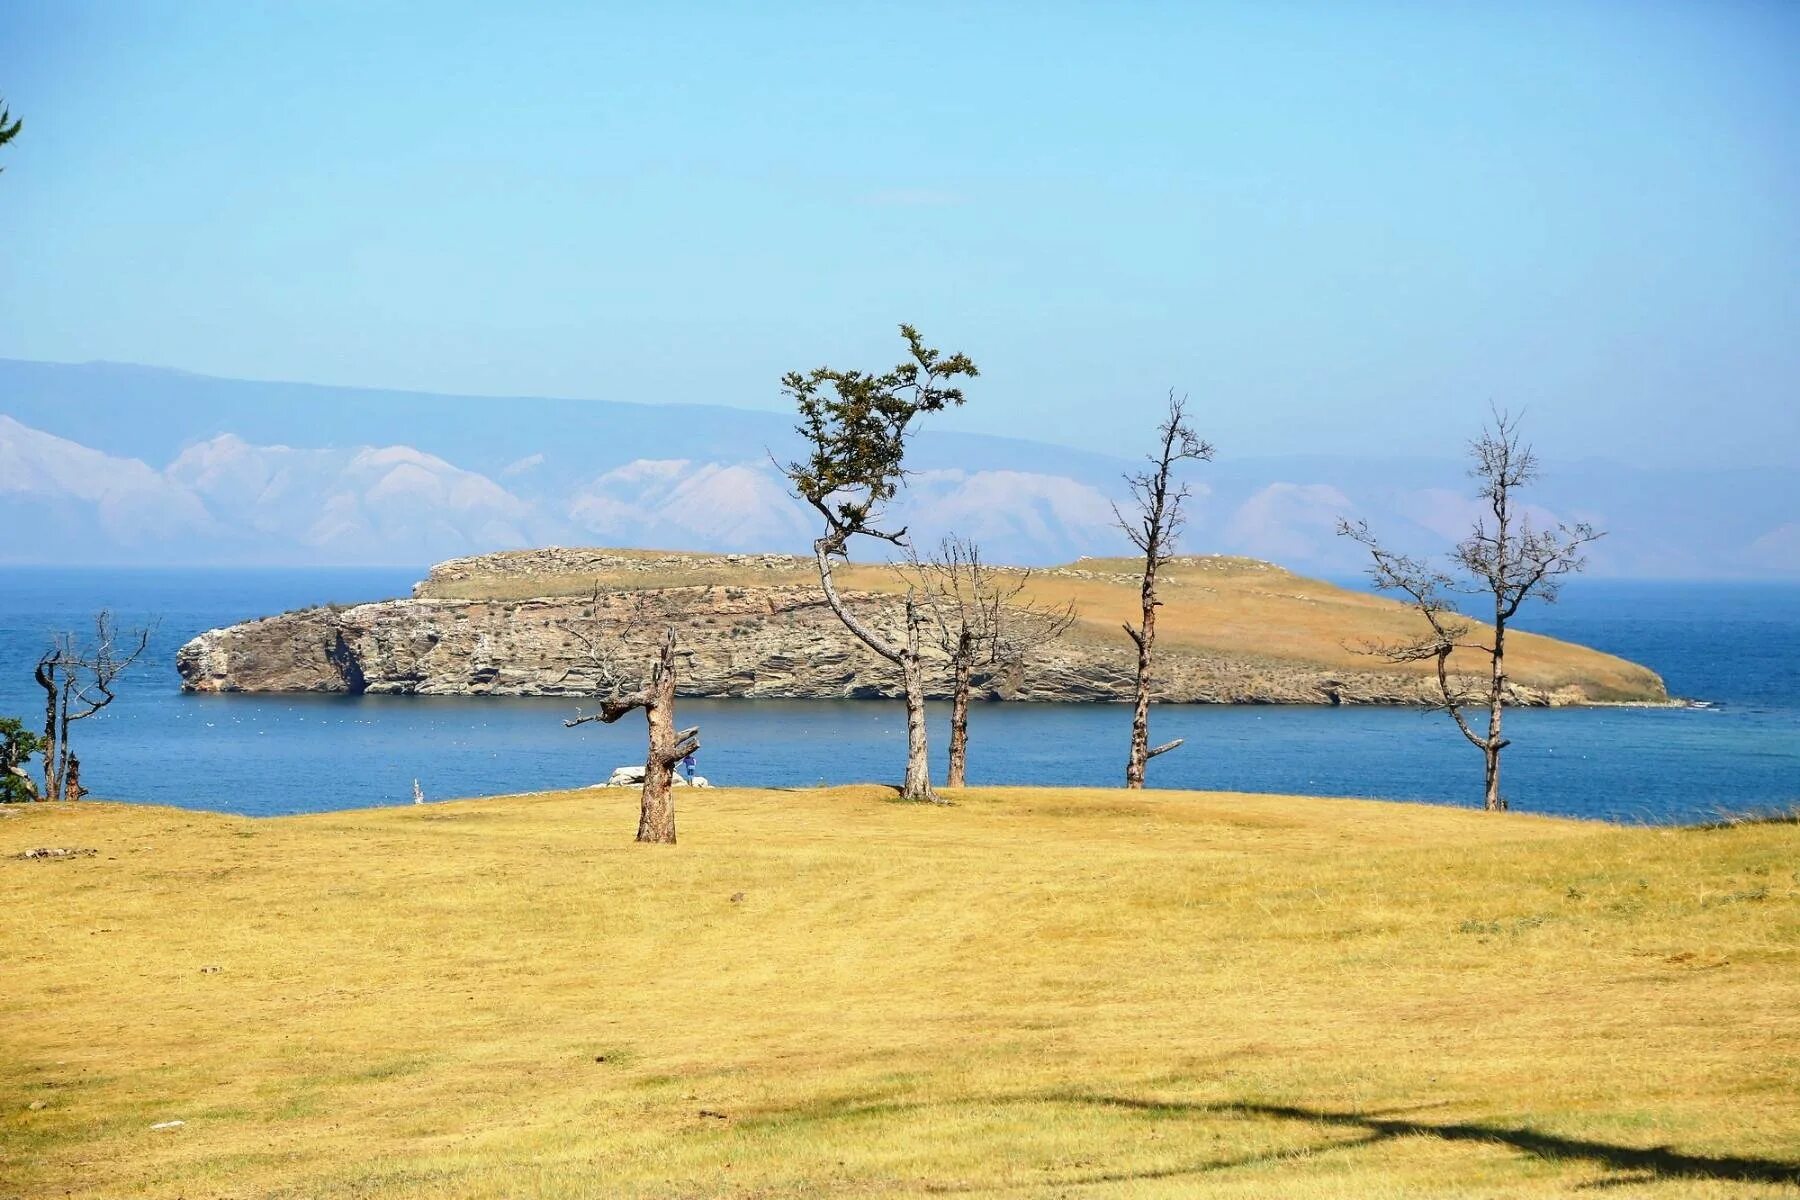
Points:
[772,638]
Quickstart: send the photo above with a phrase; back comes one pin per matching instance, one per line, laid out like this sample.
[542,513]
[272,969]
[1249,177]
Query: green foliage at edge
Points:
[17,744]
[9,127]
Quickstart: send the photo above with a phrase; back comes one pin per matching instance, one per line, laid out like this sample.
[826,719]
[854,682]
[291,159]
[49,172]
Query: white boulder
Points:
[634,777]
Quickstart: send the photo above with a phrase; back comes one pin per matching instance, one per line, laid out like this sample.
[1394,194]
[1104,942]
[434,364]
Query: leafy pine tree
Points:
[16,745]
[856,425]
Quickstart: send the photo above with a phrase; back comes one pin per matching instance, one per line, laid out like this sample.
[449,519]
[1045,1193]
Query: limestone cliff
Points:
[552,622]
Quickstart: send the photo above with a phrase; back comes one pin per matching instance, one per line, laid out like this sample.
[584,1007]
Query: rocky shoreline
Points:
[773,640]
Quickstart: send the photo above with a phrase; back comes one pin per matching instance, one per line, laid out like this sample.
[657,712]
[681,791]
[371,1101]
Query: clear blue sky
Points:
[1341,227]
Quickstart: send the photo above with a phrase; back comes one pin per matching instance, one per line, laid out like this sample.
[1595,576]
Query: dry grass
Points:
[1031,993]
[1235,607]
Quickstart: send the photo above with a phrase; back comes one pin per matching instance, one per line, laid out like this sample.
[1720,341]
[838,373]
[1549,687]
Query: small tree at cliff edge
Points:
[1504,560]
[856,425]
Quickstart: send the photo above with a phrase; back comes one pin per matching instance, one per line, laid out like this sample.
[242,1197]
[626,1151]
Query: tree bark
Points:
[668,746]
[1145,637]
[62,769]
[1491,798]
[917,784]
[46,677]
[656,808]
[62,744]
[959,715]
[822,551]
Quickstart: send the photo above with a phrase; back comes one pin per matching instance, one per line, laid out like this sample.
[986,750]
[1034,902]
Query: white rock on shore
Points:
[633,776]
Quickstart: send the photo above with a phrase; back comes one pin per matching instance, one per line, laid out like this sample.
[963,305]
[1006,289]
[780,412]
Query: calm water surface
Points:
[1737,645]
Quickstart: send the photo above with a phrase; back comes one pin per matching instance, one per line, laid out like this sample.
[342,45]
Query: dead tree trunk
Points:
[46,676]
[962,669]
[1144,636]
[656,808]
[668,745]
[917,784]
[78,679]
[1491,800]
[62,733]
[1153,530]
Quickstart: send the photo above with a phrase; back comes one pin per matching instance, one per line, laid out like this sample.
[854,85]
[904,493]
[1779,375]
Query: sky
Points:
[1340,228]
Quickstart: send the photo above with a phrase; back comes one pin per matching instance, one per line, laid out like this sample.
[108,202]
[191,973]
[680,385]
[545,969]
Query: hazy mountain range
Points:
[103,463]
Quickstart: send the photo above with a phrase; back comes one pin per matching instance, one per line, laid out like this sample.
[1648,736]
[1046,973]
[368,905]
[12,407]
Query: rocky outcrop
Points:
[772,641]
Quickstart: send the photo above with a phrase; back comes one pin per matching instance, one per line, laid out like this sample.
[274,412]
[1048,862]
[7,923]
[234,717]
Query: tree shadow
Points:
[1635,1164]
[1660,1161]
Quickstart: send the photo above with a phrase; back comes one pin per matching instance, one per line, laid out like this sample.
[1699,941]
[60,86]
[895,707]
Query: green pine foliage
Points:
[856,424]
[17,744]
[9,126]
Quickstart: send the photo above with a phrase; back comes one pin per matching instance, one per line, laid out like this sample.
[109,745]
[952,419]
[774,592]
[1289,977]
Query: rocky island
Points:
[554,622]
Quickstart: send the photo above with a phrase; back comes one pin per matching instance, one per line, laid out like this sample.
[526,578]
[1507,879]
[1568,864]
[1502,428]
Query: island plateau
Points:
[558,621]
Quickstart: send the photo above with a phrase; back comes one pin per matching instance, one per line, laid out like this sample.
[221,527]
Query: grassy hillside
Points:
[1031,993]
[1233,606]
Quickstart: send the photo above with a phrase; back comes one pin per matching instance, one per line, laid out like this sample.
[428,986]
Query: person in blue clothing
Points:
[688,764]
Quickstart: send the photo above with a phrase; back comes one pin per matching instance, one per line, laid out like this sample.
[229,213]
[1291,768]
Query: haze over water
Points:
[1736,645]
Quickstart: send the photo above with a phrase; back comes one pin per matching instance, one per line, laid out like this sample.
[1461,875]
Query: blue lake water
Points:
[1737,645]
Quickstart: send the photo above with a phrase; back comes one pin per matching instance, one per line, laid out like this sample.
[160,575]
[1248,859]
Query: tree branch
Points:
[864,634]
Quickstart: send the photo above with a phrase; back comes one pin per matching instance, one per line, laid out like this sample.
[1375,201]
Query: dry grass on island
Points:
[1031,993]
[1239,608]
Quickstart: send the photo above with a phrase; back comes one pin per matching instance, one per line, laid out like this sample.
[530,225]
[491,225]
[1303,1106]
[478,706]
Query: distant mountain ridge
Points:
[109,463]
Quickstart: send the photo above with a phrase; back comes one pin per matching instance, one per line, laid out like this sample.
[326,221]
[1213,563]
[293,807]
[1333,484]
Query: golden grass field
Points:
[1239,607]
[826,993]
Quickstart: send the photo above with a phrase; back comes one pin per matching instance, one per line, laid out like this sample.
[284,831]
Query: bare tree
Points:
[981,623]
[856,426]
[78,678]
[1153,528]
[1505,560]
[656,696]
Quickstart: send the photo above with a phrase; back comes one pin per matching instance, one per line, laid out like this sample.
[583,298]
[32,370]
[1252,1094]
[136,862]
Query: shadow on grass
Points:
[1661,1161]
[1643,1164]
